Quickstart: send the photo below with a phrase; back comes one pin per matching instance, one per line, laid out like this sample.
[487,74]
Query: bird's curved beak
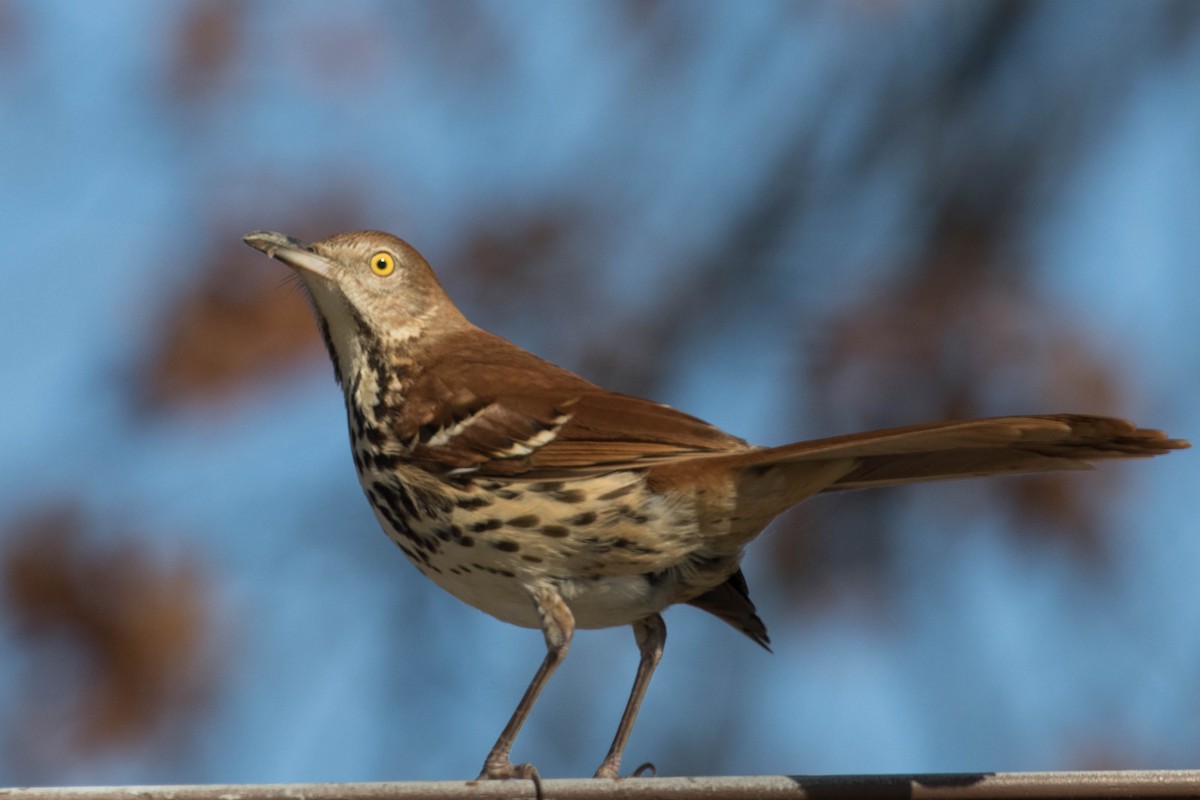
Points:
[293,252]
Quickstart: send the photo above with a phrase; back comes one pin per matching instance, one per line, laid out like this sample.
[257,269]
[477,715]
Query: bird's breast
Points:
[616,551]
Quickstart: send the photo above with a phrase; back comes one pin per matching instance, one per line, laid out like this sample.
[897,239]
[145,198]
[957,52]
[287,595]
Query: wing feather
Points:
[501,411]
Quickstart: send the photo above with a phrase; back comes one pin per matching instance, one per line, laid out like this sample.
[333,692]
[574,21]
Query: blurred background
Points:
[791,219]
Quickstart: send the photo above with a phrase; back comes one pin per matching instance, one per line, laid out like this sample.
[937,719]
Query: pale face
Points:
[364,285]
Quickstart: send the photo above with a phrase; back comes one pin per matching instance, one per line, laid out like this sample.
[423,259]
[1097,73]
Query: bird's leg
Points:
[651,635]
[558,626]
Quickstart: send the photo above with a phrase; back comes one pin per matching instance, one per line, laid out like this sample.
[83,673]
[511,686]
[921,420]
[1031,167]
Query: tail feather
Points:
[772,479]
[731,602]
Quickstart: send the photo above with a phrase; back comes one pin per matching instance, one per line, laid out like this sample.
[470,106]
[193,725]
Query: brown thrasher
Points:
[551,503]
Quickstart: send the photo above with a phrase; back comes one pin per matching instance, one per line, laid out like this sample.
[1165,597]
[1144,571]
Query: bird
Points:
[551,503]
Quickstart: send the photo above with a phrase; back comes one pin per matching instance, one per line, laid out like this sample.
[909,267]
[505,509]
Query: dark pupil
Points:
[381,264]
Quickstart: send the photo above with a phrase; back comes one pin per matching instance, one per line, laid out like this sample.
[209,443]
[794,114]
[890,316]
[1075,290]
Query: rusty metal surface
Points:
[968,786]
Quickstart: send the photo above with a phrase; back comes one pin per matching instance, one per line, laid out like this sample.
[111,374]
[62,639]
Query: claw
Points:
[506,771]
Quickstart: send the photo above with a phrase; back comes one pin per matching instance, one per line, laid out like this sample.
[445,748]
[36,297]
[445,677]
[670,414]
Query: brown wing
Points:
[497,410]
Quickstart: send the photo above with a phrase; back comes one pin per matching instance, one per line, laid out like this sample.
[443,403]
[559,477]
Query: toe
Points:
[506,770]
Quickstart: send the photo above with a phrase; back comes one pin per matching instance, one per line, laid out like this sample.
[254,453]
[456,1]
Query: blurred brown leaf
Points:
[520,274]
[238,324]
[206,41]
[118,643]
[13,31]
[509,252]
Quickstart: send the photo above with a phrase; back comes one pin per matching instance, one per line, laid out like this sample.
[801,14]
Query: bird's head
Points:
[369,289]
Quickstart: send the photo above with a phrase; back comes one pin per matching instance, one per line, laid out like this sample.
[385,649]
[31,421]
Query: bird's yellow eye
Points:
[382,264]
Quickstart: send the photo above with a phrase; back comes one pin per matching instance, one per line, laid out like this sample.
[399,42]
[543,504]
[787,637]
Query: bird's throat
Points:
[345,332]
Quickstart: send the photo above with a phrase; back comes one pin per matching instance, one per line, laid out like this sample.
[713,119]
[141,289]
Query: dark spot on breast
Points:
[382,409]
[415,555]
[484,525]
[656,578]
[556,490]
[427,543]
[473,502]
[384,462]
[371,347]
[506,545]
[396,520]
[634,516]
[597,545]
[467,541]
[357,420]
[396,497]
[554,531]
[586,518]
[531,559]
[618,492]
[524,521]
[494,571]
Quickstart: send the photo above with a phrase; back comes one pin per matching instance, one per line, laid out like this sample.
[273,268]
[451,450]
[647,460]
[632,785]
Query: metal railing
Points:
[965,786]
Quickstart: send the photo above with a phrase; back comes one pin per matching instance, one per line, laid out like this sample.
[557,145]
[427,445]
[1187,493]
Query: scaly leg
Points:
[558,626]
[651,635]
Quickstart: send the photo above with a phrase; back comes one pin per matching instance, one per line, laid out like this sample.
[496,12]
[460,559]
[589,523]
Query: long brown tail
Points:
[980,447]
[772,479]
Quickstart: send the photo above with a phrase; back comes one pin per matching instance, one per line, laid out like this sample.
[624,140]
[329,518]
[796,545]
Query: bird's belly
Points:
[600,603]
[615,600]
[612,568]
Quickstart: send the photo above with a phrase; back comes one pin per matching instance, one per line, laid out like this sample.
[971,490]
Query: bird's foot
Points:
[611,768]
[502,769]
